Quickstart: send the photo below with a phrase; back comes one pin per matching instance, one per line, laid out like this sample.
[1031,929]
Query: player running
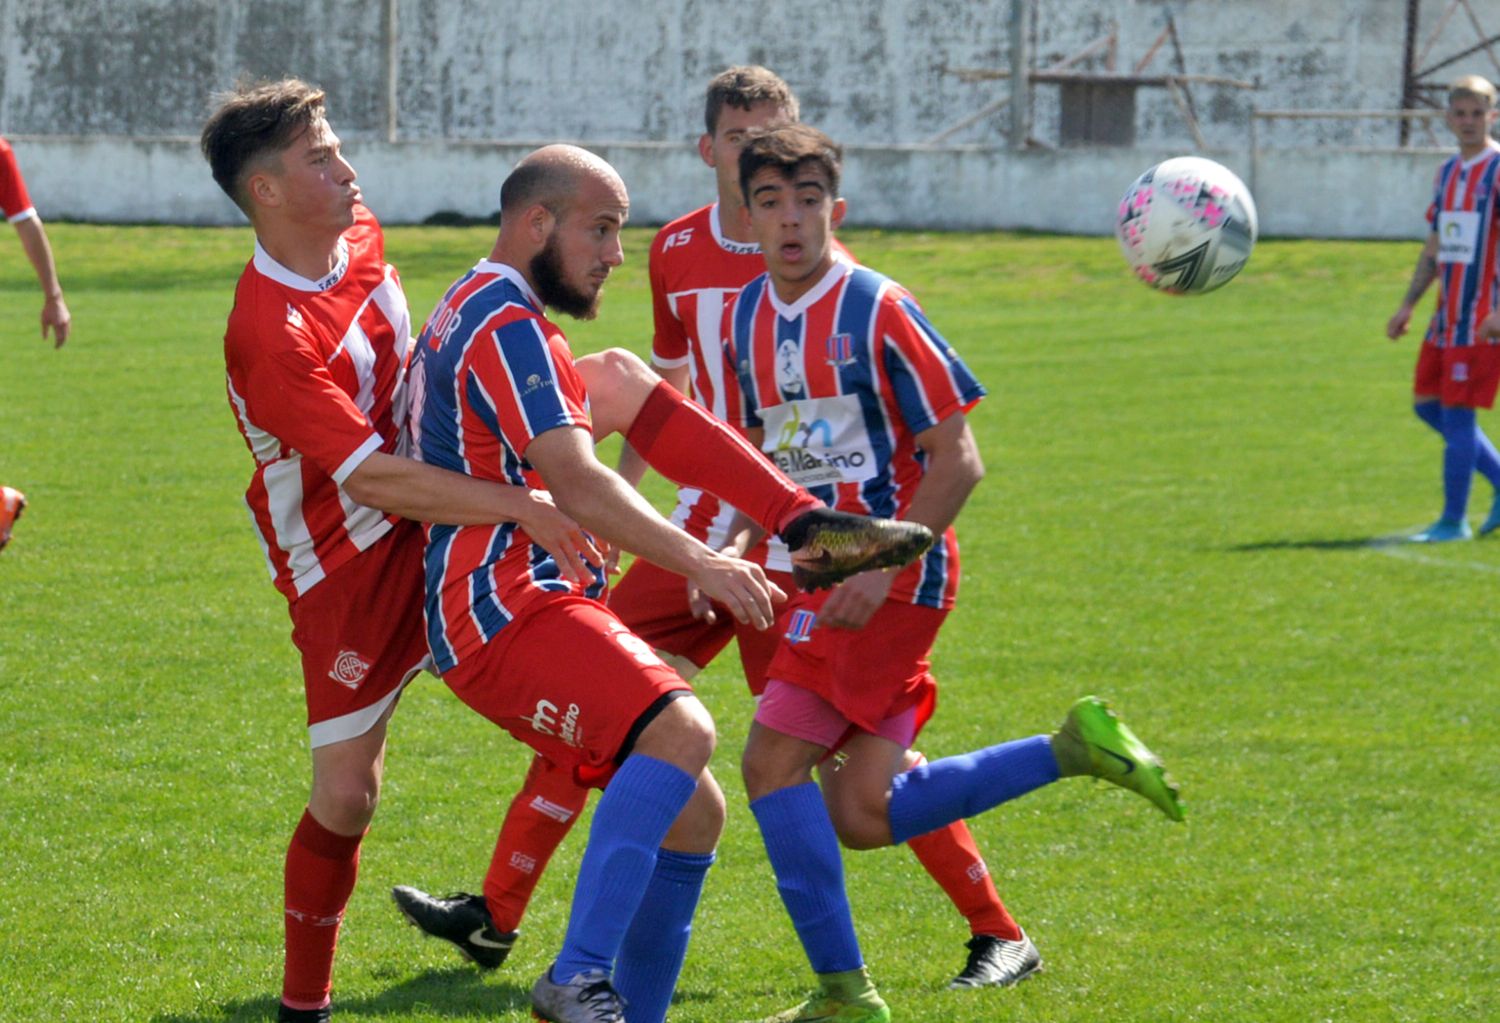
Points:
[698,262]
[1458,367]
[498,395]
[316,364]
[851,390]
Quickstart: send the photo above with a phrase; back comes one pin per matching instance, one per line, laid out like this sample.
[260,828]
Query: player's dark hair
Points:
[742,87]
[255,120]
[787,147]
[535,182]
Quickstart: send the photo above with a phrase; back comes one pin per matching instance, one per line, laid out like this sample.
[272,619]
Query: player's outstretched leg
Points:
[1093,741]
[12,504]
[462,919]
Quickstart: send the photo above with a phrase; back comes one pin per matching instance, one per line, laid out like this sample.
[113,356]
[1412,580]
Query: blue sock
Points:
[1430,412]
[633,816]
[1460,453]
[654,947]
[1486,458]
[809,868]
[935,795]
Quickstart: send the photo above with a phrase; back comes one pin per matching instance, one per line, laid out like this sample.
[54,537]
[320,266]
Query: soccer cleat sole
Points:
[1119,757]
[833,552]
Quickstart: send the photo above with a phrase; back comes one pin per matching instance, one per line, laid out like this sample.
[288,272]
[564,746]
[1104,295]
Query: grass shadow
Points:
[1353,543]
[457,992]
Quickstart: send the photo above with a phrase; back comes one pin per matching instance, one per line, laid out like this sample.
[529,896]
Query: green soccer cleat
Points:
[1443,531]
[847,997]
[829,546]
[1094,741]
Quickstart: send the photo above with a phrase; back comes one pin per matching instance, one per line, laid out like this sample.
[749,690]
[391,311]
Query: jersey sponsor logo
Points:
[820,441]
[839,349]
[740,248]
[799,629]
[682,237]
[634,645]
[546,721]
[1460,372]
[442,328]
[536,382]
[1458,233]
[349,669]
[547,808]
[789,367]
[525,864]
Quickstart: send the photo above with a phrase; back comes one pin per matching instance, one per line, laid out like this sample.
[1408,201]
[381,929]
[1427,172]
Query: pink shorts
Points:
[568,679]
[653,603]
[1467,377]
[361,637]
[802,714]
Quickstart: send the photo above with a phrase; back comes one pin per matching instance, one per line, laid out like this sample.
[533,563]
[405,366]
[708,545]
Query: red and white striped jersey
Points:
[841,381]
[14,202]
[316,376]
[1465,215]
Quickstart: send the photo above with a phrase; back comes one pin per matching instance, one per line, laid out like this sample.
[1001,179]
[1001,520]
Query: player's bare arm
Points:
[1421,279]
[609,507]
[954,468]
[56,319]
[1489,327]
[426,493]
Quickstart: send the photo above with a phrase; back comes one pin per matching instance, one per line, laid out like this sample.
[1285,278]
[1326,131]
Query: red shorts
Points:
[870,674]
[361,636]
[653,603]
[1467,376]
[803,714]
[568,679]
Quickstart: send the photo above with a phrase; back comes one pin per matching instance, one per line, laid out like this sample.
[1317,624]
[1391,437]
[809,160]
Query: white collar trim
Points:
[841,268]
[267,264]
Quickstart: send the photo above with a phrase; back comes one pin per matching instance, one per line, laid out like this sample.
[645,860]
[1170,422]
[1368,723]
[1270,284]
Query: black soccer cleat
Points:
[462,919]
[829,546]
[286,1014]
[996,962]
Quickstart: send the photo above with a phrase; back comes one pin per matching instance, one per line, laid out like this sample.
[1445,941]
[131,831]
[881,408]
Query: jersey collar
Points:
[510,273]
[266,264]
[729,244]
[841,268]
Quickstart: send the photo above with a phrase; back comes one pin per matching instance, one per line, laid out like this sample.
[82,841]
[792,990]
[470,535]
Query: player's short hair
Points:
[787,147]
[742,87]
[255,120]
[532,184]
[1474,86]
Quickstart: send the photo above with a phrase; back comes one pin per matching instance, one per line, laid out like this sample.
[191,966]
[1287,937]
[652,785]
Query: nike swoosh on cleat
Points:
[478,938]
[1129,764]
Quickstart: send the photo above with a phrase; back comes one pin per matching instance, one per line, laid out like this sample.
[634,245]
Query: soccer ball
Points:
[1187,225]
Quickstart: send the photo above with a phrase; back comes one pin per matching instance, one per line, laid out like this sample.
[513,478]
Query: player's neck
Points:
[788,291]
[731,220]
[1467,153]
[306,253]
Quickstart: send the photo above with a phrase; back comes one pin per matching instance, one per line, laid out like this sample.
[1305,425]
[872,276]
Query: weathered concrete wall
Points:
[1303,192]
[869,71]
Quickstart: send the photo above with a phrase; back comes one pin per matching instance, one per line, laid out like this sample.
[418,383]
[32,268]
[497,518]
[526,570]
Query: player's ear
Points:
[263,189]
[836,218]
[706,149]
[539,222]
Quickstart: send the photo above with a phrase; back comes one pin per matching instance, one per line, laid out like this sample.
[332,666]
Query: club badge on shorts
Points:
[799,630]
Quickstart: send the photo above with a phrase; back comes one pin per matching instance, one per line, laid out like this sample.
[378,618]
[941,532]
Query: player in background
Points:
[316,356]
[851,391]
[15,203]
[698,262]
[497,394]
[1458,367]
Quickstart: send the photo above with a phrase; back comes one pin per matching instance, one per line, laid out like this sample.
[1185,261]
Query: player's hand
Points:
[57,320]
[557,534]
[701,607]
[741,586]
[1489,327]
[854,601]
[1396,326]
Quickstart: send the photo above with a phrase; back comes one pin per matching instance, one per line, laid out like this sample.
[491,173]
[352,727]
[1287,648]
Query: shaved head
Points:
[553,176]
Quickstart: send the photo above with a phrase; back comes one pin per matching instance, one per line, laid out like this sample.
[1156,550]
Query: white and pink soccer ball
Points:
[1187,225]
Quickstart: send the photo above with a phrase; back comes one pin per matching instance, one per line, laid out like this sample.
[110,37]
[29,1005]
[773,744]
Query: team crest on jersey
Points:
[293,316]
[840,350]
[349,669]
[789,367]
[799,629]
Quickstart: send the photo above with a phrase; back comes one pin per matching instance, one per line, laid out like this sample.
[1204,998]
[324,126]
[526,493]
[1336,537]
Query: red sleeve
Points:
[669,344]
[288,392]
[14,201]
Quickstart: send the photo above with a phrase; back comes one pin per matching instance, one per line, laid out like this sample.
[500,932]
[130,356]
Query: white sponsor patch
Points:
[1457,234]
[819,441]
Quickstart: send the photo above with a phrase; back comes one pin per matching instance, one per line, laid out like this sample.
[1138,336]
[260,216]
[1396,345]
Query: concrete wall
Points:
[1302,192]
[124,84]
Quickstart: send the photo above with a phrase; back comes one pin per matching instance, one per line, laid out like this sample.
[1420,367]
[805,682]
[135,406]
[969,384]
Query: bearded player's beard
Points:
[554,291]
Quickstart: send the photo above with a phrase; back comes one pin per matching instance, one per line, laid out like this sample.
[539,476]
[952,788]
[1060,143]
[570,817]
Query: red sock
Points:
[689,446]
[320,871]
[539,818]
[952,858]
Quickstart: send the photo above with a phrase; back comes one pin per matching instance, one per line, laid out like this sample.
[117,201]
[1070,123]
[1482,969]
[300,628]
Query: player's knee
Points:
[345,805]
[860,820]
[698,827]
[682,735]
[764,773]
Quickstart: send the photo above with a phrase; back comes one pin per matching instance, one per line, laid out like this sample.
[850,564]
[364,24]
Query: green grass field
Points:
[1179,511]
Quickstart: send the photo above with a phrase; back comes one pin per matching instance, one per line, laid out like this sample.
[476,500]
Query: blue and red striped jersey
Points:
[1465,214]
